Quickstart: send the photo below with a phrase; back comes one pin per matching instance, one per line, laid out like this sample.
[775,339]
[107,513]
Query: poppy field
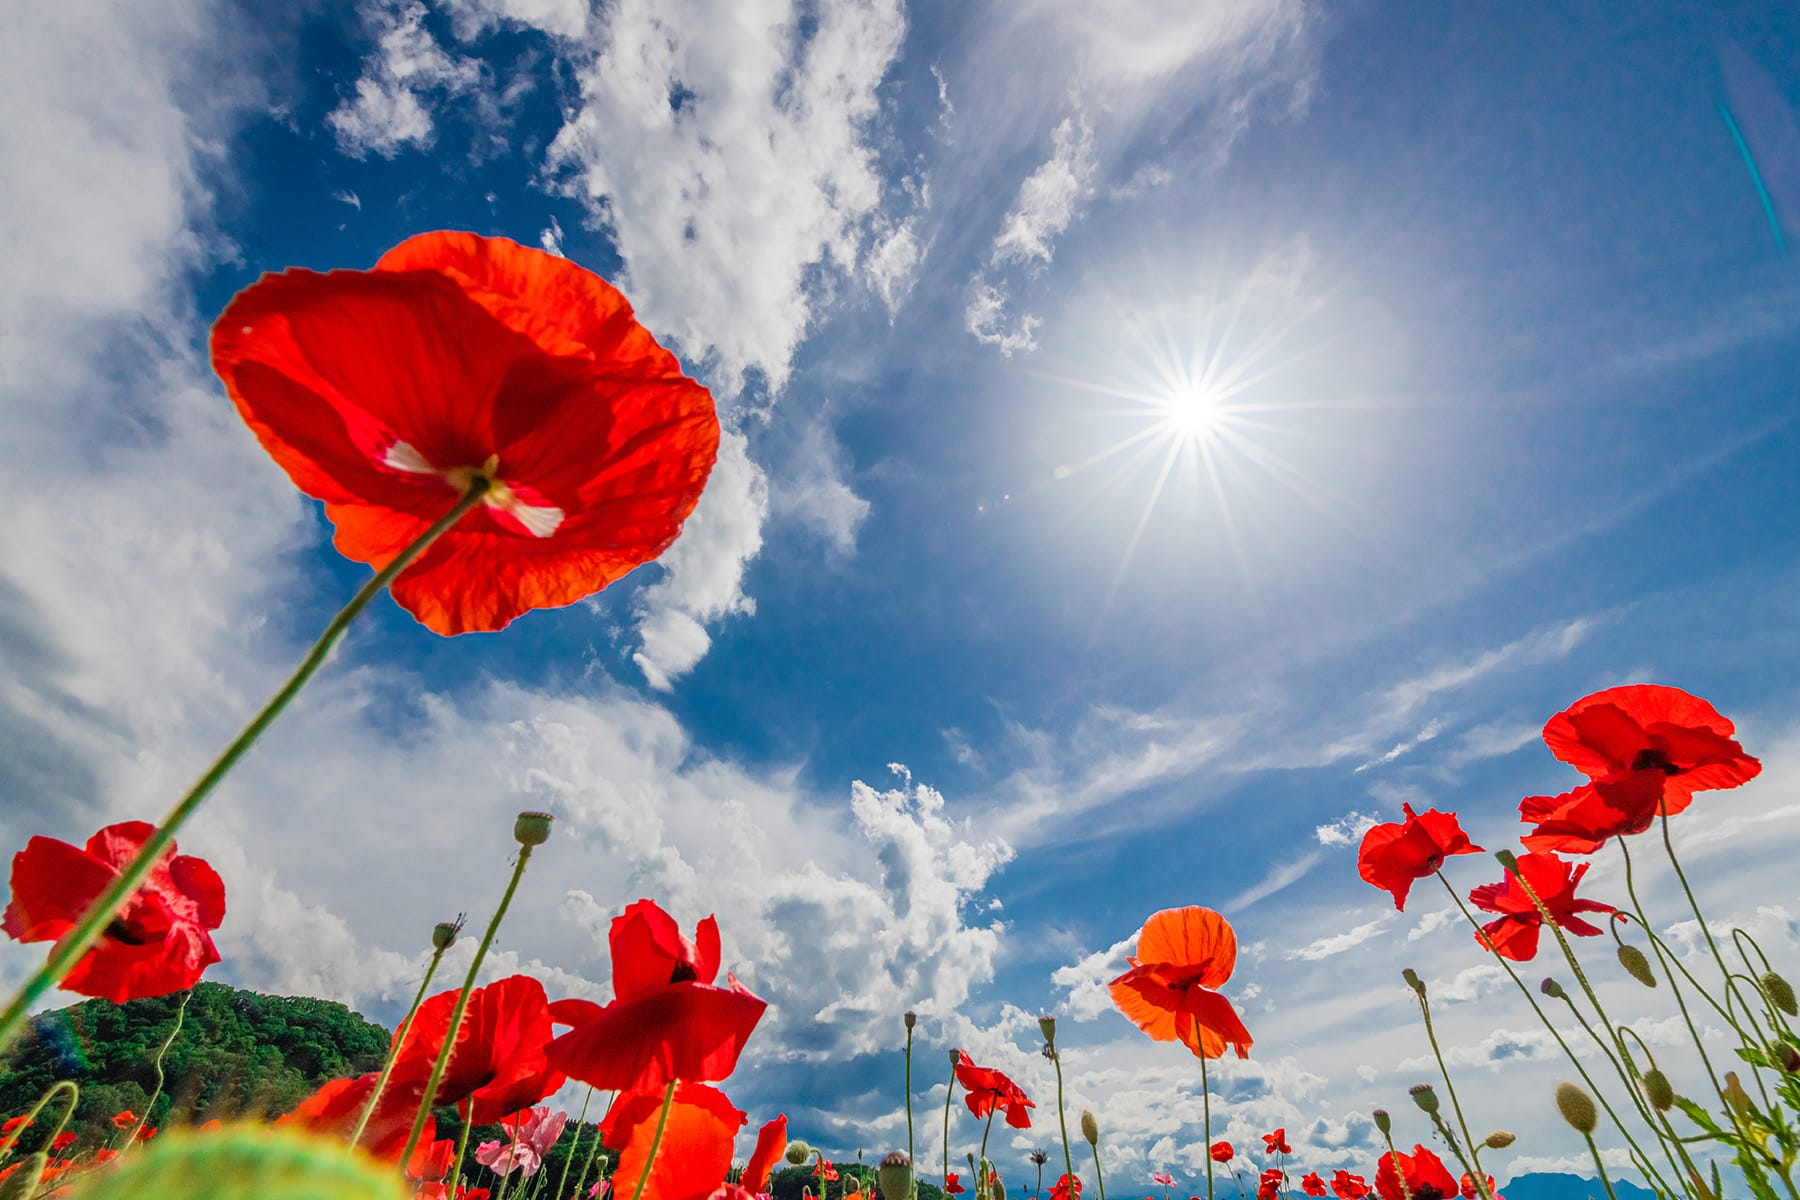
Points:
[491,430]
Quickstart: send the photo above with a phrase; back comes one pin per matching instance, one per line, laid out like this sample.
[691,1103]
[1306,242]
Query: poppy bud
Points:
[1786,1056]
[1780,993]
[956,1058]
[895,1176]
[1508,859]
[798,1152]
[443,934]
[1047,1027]
[1634,962]
[1413,981]
[911,1018]
[1499,1140]
[1424,1097]
[1552,989]
[996,1188]
[532,828]
[1090,1128]
[1659,1090]
[1577,1108]
[1382,1121]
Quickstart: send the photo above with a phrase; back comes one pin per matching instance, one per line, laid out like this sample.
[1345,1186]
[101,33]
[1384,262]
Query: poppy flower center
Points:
[684,973]
[501,497]
[122,931]
[1654,760]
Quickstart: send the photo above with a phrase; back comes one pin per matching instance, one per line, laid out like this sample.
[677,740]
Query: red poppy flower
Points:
[1346,1186]
[161,940]
[1311,1184]
[1068,1187]
[1424,1172]
[667,1020]
[823,1169]
[499,1062]
[15,1123]
[1645,727]
[771,1144]
[953,1184]
[696,1143]
[385,392]
[124,1120]
[1515,934]
[337,1106]
[985,1089]
[1580,821]
[1396,855]
[145,1135]
[1471,1192]
[1277,1143]
[61,1142]
[1222,1152]
[1269,1186]
[1182,954]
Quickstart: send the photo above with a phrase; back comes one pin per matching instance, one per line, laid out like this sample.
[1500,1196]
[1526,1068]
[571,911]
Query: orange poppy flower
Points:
[385,393]
[1182,955]
[695,1152]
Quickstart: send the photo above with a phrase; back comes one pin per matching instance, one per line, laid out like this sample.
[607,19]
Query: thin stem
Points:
[393,1056]
[949,1092]
[1481,1186]
[1206,1122]
[462,1143]
[1666,956]
[1062,1119]
[981,1187]
[175,1032]
[662,1121]
[1669,845]
[594,1150]
[100,914]
[1555,1033]
[575,1145]
[1099,1179]
[61,1086]
[1399,1171]
[909,1120]
[1600,1166]
[462,1004]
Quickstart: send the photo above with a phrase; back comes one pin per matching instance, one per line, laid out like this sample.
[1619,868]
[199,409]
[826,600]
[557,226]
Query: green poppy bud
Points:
[1499,1140]
[443,934]
[798,1152]
[911,1018]
[1413,981]
[1780,993]
[1047,1027]
[1577,1108]
[1424,1097]
[1786,1055]
[532,828]
[1382,1121]
[1634,962]
[1552,989]
[25,1180]
[956,1058]
[1508,859]
[895,1176]
[1660,1092]
[1090,1128]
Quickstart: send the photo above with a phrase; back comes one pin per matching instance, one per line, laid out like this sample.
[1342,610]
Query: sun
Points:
[1191,413]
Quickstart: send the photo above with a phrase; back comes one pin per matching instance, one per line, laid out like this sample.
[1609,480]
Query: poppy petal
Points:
[690,1031]
[771,1144]
[1191,936]
[695,1152]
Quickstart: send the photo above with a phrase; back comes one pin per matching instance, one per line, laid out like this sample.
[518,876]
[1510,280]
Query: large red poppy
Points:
[667,1020]
[1426,1177]
[986,1089]
[1396,855]
[161,940]
[1581,821]
[1182,955]
[771,1144]
[696,1144]
[1515,934]
[385,392]
[498,1064]
[338,1104]
[1645,727]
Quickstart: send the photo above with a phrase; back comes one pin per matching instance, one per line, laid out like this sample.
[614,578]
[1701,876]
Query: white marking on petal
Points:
[403,457]
[540,521]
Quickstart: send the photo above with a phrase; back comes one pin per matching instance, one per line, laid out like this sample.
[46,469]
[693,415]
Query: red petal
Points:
[1191,936]
[690,1031]
[52,885]
[696,1143]
[771,1144]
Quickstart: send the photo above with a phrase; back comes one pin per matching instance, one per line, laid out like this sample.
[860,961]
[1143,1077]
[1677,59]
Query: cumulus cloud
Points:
[1337,943]
[1347,830]
[406,73]
[1050,196]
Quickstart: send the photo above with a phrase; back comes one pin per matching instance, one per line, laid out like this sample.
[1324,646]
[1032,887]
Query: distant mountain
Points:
[1544,1186]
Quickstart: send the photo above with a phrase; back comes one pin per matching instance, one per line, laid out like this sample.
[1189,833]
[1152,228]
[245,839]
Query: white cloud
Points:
[559,18]
[986,318]
[407,71]
[550,238]
[893,264]
[1347,830]
[725,145]
[1337,943]
[1086,980]
[1430,731]
[1050,196]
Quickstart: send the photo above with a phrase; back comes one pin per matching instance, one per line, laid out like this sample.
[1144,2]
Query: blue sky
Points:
[1492,332]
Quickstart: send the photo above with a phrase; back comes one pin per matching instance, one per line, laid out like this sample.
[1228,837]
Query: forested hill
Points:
[238,1053]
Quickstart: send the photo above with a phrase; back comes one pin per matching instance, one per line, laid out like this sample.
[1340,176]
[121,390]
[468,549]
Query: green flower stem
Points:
[1099,1179]
[174,1032]
[1669,846]
[462,1144]
[1473,1168]
[518,1122]
[1592,1087]
[1481,1186]
[594,1150]
[662,1121]
[981,1161]
[575,1145]
[393,1055]
[462,1005]
[1062,1119]
[101,913]
[1600,1166]
[1399,1172]
[1658,1120]
[949,1093]
[60,1087]
[1205,1119]
[909,1121]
